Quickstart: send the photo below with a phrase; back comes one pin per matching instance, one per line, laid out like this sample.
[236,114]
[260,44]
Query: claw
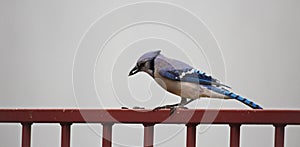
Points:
[155,109]
[182,107]
[165,107]
[172,110]
[173,107]
[161,107]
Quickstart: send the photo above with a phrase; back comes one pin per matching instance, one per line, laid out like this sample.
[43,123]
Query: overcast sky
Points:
[252,46]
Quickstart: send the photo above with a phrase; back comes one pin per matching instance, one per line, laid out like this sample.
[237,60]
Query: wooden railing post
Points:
[191,135]
[65,134]
[234,135]
[148,135]
[107,134]
[26,134]
[279,135]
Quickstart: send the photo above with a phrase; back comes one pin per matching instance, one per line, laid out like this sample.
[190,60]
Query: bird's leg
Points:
[188,102]
[182,103]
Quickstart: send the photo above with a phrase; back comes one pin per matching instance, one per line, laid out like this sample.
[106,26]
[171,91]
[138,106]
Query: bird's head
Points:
[145,63]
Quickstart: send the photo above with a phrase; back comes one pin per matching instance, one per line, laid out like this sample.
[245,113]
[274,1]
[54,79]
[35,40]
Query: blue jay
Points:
[183,80]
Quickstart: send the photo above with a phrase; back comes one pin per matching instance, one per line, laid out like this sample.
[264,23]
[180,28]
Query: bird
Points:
[183,80]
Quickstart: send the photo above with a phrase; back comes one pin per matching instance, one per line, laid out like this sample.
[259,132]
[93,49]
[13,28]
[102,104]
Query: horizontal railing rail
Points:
[190,117]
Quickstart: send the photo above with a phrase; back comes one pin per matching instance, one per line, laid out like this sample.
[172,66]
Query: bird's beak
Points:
[134,71]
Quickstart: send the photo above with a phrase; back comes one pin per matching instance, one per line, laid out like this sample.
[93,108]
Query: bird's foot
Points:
[172,108]
[165,107]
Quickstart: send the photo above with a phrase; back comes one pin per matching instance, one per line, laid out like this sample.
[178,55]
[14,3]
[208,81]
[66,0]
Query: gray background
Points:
[260,42]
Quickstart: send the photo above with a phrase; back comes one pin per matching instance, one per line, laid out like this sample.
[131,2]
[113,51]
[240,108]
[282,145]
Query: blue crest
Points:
[149,55]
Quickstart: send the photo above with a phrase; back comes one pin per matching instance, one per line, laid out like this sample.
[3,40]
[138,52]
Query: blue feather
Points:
[234,96]
[190,75]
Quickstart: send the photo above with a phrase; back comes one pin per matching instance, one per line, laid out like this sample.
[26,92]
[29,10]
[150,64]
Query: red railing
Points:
[191,118]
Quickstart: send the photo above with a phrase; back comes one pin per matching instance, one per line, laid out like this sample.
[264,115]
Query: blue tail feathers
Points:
[234,96]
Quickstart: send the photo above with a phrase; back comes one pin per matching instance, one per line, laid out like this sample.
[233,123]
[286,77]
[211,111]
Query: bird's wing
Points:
[189,75]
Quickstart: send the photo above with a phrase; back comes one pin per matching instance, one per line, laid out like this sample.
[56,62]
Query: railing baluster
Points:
[148,135]
[107,135]
[65,134]
[191,135]
[234,135]
[279,135]
[26,134]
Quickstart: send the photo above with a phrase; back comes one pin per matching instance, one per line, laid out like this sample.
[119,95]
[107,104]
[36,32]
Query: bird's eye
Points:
[141,64]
